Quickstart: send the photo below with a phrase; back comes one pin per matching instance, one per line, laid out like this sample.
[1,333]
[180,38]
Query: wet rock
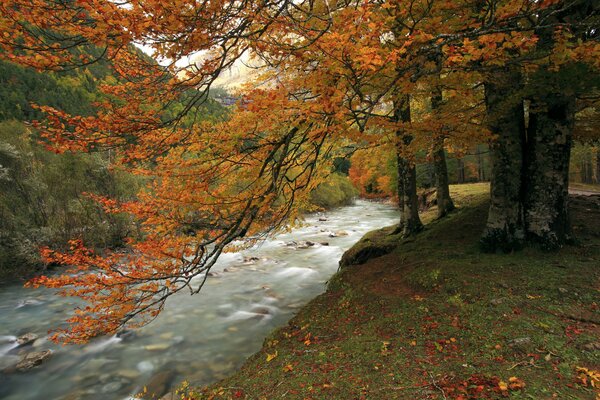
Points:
[291,243]
[323,219]
[338,234]
[129,374]
[251,260]
[158,385]
[158,347]
[29,302]
[166,335]
[324,243]
[32,360]
[26,339]
[261,311]
[145,366]
[304,244]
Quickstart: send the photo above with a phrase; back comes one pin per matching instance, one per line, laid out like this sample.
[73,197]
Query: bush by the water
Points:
[336,191]
[41,201]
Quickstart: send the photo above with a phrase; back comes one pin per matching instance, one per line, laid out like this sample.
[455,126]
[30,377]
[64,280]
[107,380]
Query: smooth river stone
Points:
[158,347]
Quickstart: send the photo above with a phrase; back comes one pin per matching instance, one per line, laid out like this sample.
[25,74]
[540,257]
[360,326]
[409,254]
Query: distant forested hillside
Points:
[41,193]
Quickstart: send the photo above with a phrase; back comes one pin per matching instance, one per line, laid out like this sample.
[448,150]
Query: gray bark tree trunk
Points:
[598,165]
[460,170]
[444,202]
[546,199]
[506,118]
[410,223]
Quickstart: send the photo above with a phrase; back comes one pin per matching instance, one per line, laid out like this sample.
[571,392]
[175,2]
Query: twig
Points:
[434,383]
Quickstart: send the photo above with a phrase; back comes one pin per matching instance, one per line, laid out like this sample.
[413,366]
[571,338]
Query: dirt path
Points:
[581,192]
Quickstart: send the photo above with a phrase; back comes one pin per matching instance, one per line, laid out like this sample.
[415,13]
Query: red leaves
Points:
[480,387]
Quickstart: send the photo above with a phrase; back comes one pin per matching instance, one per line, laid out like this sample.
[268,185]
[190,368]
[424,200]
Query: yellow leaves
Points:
[271,357]
[514,384]
[502,386]
[288,368]
[588,377]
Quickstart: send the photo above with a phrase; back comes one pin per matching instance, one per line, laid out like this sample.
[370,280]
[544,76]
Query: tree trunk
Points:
[410,223]
[444,201]
[506,118]
[546,200]
[589,167]
[598,165]
[460,175]
[442,193]
[480,166]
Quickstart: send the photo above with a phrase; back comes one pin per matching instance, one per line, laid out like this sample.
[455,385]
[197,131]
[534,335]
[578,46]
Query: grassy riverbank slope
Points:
[437,319]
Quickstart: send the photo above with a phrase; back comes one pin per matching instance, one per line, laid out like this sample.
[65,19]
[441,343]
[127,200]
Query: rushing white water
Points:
[199,339]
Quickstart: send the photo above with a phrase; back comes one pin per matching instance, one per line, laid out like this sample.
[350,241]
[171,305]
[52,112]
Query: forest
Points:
[128,174]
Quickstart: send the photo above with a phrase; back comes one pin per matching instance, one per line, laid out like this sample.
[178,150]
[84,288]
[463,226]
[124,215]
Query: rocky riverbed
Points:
[199,339]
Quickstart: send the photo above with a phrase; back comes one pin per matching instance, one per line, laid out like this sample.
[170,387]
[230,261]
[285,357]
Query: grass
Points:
[437,319]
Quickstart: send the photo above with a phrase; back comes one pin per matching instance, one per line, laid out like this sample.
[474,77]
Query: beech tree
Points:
[332,74]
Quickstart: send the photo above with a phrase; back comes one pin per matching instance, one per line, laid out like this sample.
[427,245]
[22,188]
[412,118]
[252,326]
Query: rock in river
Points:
[26,339]
[32,360]
[158,385]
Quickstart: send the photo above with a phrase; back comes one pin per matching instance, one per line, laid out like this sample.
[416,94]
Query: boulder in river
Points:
[158,385]
[26,339]
[32,360]
[304,244]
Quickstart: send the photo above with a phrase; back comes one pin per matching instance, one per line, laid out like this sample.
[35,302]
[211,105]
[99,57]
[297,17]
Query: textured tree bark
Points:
[598,165]
[506,118]
[444,202]
[443,199]
[546,199]
[410,223]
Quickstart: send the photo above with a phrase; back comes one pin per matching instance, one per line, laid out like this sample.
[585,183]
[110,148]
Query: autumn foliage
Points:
[331,73]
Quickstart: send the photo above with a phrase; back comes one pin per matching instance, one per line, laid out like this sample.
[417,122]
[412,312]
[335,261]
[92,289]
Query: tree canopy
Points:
[332,76]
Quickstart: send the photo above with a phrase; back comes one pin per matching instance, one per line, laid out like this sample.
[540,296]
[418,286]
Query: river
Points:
[199,338]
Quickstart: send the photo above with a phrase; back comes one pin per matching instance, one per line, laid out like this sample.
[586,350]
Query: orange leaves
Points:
[481,387]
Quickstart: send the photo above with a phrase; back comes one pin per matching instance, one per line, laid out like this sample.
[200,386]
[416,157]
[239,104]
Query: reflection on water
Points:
[201,338]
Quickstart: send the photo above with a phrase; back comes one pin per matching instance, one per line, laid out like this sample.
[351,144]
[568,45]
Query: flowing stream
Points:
[199,338]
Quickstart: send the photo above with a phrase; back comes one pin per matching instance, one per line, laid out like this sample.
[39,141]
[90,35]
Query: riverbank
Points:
[435,318]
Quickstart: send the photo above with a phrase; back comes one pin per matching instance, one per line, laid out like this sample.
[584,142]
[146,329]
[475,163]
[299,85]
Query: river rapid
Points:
[199,338]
